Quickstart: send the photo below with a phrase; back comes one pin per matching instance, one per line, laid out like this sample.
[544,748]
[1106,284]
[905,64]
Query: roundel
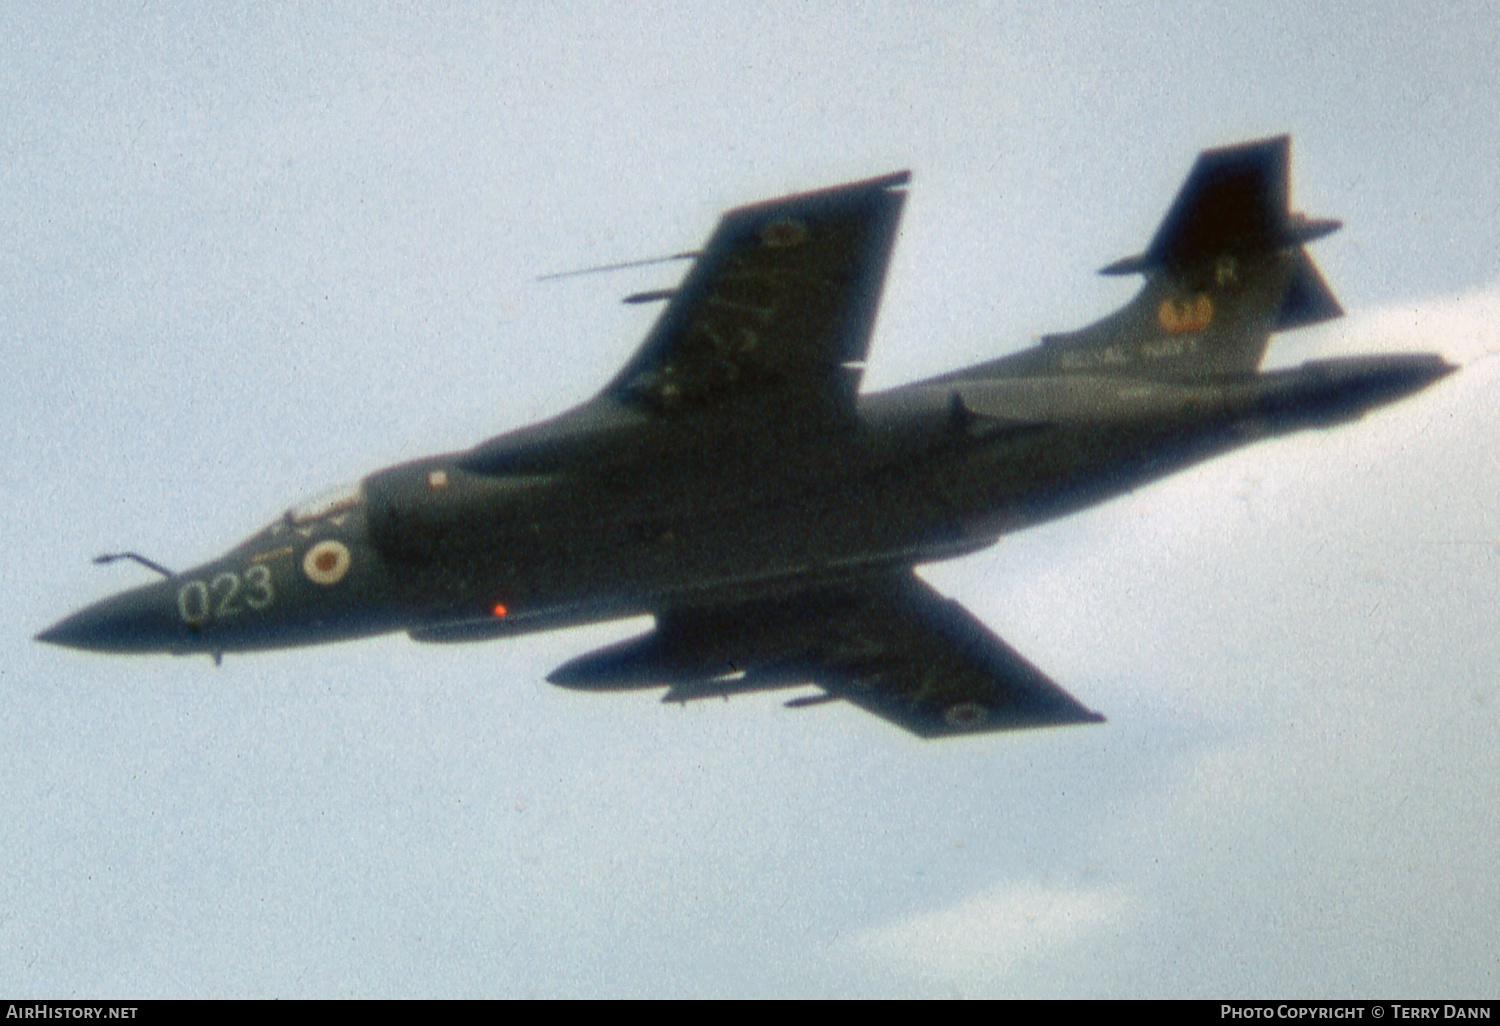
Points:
[326,562]
[966,714]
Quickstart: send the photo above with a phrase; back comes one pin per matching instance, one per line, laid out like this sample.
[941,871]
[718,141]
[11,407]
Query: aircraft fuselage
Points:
[571,524]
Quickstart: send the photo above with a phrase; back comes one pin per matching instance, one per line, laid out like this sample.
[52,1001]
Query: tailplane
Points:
[1225,270]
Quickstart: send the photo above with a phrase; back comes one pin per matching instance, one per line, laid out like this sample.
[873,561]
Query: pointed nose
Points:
[142,620]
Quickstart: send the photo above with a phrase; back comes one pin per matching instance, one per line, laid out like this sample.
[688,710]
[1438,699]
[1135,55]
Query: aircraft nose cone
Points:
[134,621]
[76,631]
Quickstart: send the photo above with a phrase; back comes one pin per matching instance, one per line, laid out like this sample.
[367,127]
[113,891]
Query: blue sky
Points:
[260,250]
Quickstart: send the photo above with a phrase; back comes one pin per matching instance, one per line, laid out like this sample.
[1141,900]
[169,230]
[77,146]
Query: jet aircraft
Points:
[734,484]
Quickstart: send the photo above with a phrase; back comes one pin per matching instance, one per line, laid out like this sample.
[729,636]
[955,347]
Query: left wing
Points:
[926,663]
[775,315]
[893,646]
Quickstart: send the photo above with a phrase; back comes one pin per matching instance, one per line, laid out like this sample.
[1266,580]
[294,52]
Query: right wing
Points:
[892,646]
[774,318]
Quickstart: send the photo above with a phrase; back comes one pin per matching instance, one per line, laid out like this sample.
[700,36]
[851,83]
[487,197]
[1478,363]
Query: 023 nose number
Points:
[225,596]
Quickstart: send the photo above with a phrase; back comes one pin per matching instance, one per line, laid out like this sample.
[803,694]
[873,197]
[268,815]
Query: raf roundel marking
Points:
[326,562]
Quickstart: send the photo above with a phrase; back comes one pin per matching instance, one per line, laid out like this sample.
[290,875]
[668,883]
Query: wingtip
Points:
[1280,141]
[1083,716]
[860,188]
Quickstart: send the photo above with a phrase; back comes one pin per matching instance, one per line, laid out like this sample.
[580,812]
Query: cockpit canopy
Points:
[327,504]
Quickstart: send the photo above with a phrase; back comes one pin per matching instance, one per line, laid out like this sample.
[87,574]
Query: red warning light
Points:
[500,609]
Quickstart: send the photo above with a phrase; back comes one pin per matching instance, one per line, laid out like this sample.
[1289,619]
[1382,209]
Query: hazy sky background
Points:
[254,251]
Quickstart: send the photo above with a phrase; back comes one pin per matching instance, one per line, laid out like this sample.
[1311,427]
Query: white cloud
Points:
[1464,327]
[991,932]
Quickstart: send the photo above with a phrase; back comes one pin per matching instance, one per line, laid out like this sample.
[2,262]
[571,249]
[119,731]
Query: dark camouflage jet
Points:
[733,483]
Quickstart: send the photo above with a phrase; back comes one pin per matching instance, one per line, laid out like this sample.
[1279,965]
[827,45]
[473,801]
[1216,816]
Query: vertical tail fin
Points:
[1225,269]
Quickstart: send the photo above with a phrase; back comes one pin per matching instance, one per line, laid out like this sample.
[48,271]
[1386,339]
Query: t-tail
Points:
[1226,269]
